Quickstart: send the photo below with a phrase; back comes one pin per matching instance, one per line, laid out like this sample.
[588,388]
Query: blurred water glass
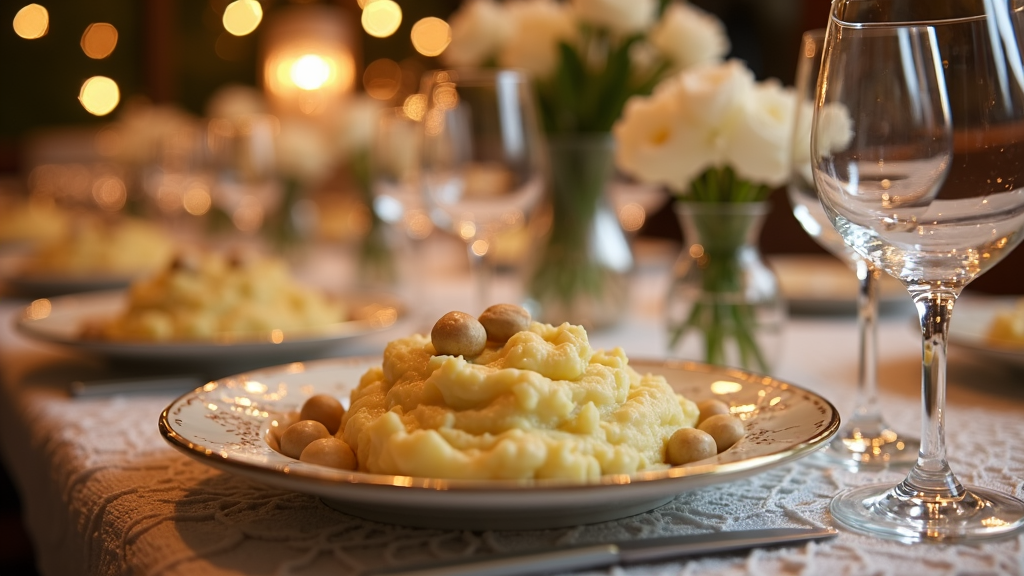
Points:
[178,181]
[243,156]
[393,164]
[400,219]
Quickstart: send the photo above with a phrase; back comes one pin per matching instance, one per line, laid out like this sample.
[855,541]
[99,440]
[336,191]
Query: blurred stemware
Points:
[866,441]
[481,161]
[916,148]
[246,186]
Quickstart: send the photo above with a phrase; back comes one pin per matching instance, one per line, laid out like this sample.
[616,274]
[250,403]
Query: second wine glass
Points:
[481,158]
[866,441]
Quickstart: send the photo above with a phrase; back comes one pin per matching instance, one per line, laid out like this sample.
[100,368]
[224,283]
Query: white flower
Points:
[801,144]
[355,124]
[656,145]
[710,116]
[689,36]
[711,96]
[303,151]
[759,143]
[479,29]
[834,128]
[622,17]
[235,101]
[537,28]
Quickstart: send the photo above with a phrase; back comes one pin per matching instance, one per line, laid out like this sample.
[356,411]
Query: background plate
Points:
[224,424]
[62,325]
[821,284]
[968,329]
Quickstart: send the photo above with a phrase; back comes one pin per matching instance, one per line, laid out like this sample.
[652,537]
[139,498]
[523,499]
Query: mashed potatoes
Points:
[212,296]
[1007,328]
[127,247]
[543,405]
[30,223]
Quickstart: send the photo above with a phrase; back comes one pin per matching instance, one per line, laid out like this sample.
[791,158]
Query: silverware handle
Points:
[141,384]
[584,558]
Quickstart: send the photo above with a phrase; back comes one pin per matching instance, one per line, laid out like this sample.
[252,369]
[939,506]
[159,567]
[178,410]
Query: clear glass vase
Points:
[582,272]
[724,305]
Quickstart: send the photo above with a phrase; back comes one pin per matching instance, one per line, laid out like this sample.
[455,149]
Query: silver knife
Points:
[177,384]
[608,554]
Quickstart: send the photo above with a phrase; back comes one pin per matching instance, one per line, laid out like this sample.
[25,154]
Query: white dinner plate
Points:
[224,424]
[969,326]
[60,321]
[42,285]
[822,284]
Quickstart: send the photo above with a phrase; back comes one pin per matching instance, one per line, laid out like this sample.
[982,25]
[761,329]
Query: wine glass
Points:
[866,441]
[394,194]
[916,149]
[481,157]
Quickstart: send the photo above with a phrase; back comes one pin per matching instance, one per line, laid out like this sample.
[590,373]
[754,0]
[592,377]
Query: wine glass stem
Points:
[866,410]
[932,474]
[481,273]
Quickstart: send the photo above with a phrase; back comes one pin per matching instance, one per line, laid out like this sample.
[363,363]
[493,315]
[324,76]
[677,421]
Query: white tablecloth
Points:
[104,494]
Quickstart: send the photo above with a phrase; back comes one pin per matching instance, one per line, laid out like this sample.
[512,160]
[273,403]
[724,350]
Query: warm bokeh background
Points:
[178,52]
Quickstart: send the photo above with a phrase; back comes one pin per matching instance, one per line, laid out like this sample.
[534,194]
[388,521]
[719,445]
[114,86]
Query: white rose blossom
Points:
[655,144]
[759,144]
[479,29]
[706,117]
[303,150]
[689,36]
[537,26]
[711,94]
[236,101]
[835,130]
[355,124]
[623,17]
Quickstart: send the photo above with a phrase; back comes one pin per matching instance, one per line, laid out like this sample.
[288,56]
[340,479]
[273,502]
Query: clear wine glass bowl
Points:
[917,151]
[481,158]
[865,441]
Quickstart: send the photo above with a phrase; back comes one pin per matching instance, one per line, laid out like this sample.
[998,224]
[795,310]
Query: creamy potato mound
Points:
[127,247]
[213,297]
[1007,328]
[544,405]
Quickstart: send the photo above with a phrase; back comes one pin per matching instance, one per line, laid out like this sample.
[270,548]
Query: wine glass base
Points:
[878,452]
[884,511]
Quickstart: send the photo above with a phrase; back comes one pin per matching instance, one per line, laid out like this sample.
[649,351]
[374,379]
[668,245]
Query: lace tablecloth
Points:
[104,494]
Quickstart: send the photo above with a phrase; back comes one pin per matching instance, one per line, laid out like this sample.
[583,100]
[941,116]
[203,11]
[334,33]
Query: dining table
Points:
[103,493]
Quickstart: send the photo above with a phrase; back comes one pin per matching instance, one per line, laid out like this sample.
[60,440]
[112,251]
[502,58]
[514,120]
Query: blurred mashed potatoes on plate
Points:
[217,297]
[1007,328]
[30,222]
[543,405]
[92,246]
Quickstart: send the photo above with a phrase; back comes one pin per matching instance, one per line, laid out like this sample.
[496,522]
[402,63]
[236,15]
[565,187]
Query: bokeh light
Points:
[382,79]
[241,17]
[31,22]
[381,18]
[99,95]
[310,72]
[415,106]
[430,36]
[99,40]
[632,217]
[197,200]
[110,193]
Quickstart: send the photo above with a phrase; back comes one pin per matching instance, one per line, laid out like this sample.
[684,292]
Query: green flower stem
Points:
[579,177]
[573,279]
[721,315]
[376,258]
